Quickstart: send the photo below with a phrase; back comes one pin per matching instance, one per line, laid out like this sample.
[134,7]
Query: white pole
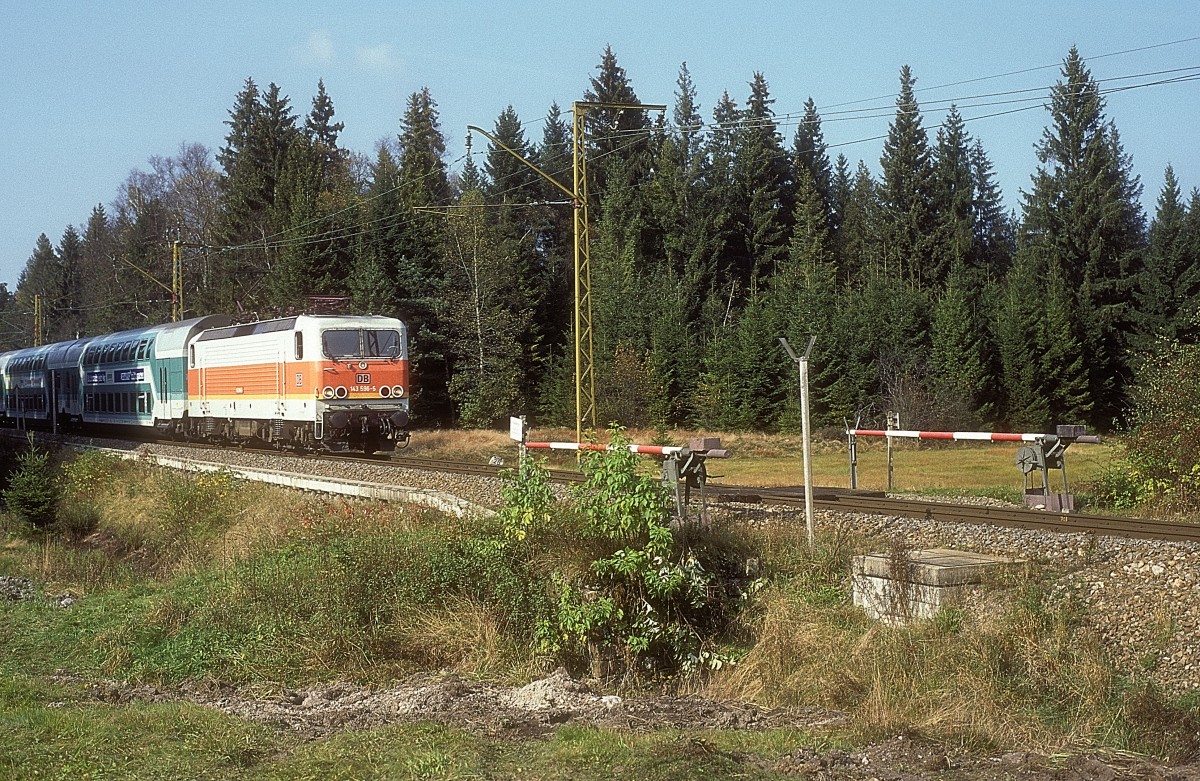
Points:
[802,364]
[808,481]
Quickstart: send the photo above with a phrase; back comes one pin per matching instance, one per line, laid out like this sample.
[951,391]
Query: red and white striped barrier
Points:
[650,450]
[982,436]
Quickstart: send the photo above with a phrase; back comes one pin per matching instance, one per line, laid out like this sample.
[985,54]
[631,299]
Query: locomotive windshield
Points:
[361,343]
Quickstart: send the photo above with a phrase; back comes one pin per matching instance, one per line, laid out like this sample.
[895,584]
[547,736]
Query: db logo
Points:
[362,379]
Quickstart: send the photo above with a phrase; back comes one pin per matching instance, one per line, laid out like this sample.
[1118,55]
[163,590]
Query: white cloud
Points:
[317,49]
[378,57]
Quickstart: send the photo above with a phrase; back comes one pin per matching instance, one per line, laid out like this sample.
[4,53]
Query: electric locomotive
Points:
[337,383]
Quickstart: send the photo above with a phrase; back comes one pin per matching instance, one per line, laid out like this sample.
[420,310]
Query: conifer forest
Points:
[713,233]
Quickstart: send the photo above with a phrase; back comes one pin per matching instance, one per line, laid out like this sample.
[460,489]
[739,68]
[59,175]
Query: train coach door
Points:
[55,391]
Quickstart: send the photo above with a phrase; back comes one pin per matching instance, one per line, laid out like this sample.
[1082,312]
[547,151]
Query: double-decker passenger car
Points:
[137,377]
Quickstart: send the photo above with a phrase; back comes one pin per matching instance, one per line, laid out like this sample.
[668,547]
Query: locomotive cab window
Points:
[360,343]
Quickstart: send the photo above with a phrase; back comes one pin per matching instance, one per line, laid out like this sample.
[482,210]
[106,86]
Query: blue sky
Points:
[95,89]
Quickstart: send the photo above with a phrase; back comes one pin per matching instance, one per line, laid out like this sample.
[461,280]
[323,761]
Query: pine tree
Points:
[906,192]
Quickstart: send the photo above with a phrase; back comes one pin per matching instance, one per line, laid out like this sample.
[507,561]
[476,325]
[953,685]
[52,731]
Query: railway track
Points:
[835,499]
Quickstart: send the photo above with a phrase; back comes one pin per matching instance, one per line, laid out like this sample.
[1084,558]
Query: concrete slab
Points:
[934,566]
[935,578]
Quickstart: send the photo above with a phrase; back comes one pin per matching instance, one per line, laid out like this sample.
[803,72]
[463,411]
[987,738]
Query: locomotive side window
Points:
[299,346]
[191,356]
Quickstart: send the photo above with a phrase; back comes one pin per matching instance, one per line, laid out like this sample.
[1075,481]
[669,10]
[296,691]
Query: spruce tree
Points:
[1188,327]
[1082,215]
[906,193]
[98,285]
[422,183]
[1018,334]
[67,311]
[761,173]
[860,237]
[994,237]
[322,130]
[484,324]
[959,371]
[615,135]
[810,152]
[42,276]
[1158,297]
[953,199]
[509,178]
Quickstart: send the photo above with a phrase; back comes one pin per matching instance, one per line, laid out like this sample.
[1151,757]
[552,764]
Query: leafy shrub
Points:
[645,602]
[33,489]
[1162,447]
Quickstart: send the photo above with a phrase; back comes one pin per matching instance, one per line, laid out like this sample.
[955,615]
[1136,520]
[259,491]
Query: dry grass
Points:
[463,636]
[1032,677]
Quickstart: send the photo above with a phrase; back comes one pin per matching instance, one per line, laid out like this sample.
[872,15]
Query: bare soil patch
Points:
[535,710]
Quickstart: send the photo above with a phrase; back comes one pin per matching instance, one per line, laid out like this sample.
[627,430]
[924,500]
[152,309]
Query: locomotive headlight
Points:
[327,392]
[362,365]
[385,391]
[397,391]
[341,391]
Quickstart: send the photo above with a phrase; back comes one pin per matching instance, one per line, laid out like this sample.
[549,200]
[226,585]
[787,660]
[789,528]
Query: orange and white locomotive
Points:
[336,383]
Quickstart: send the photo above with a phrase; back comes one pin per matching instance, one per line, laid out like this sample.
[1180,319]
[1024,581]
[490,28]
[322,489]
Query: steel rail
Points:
[1010,517]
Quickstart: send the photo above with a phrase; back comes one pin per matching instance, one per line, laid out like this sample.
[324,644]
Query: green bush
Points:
[645,602]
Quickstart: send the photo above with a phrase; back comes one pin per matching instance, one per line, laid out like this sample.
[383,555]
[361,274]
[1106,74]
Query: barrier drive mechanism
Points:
[683,468]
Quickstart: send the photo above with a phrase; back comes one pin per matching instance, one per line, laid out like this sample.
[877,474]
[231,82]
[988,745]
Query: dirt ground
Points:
[534,711]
